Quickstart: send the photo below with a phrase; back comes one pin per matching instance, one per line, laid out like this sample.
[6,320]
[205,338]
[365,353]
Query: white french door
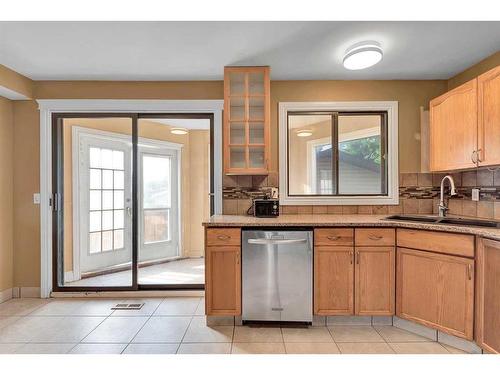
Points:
[158,202]
[105,196]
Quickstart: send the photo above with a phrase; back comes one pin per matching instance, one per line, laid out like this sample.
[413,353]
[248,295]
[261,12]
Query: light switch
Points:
[475,194]
[36,198]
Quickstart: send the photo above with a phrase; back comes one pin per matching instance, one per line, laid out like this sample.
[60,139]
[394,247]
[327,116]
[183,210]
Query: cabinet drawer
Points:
[223,237]
[333,237]
[439,242]
[375,237]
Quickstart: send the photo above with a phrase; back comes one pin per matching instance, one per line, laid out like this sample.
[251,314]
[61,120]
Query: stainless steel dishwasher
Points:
[277,275]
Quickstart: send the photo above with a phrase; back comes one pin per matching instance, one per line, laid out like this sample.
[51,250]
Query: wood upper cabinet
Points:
[489,117]
[488,295]
[333,280]
[222,273]
[247,119]
[436,290]
[375,280]
[453,128]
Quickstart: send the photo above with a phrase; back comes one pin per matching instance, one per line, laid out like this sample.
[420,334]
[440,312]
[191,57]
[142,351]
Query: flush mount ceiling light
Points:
[179,131]
[304,133]
[362,55]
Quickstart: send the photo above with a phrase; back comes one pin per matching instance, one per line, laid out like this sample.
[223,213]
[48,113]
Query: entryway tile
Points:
[204,348]
[418,348]
[151,349]
[311,334]
[6,320]
[355,334]
[178,306]
[24,329]
[199,332]
[163,329]
[365,348]
[45,349]
[150,306]
[258,348]
[311,348]
[394,334]
[67,329]
[257,334]
[60,307]
[116,330]
[10,348]
[98,349]
[21,306]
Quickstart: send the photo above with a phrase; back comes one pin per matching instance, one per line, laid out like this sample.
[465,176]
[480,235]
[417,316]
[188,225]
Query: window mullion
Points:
[335,153]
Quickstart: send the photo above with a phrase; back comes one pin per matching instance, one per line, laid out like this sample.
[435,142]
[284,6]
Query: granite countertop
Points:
[354,220]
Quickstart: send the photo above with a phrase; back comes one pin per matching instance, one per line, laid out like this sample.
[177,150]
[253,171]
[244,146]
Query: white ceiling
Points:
[200,50]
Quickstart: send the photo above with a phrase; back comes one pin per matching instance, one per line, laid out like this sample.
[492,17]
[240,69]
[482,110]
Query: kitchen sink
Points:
[446,220]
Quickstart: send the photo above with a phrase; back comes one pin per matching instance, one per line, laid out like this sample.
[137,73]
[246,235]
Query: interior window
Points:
[337,153]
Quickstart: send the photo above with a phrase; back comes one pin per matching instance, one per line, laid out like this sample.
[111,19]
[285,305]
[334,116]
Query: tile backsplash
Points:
[418,193]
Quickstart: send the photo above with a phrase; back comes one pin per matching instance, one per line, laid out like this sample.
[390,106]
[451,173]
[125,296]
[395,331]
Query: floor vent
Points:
[128,306]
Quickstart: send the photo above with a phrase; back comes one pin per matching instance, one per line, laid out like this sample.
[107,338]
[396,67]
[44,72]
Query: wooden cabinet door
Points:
[488,295]
[333,280]
[375,281]
[436,290]
[453,128]
[223,280]
[489,117]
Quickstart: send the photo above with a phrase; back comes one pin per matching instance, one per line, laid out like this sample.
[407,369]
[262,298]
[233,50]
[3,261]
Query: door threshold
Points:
[130,294]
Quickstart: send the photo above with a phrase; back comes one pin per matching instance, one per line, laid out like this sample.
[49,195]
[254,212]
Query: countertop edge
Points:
[344,221]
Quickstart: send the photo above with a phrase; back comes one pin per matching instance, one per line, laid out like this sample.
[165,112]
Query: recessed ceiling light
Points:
[362,55]
[179,131]
[304,133]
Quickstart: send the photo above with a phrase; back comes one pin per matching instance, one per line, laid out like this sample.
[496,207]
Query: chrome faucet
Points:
[442,205]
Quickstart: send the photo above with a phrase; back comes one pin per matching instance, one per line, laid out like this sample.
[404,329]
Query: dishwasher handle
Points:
[265,241]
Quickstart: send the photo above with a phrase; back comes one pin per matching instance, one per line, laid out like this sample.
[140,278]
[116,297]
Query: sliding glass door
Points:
[129,198]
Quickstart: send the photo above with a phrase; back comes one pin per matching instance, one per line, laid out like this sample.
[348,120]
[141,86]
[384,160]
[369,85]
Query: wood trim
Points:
[438,242]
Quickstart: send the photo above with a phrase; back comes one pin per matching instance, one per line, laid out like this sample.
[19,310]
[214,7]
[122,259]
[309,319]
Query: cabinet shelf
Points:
[247,120]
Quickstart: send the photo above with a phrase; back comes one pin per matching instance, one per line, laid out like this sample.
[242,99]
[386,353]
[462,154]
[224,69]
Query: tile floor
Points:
[183,271]
[177,325]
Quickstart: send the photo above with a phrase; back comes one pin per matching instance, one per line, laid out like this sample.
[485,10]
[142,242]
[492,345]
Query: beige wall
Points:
[410,95]
[6,193]
[194,175]
[483,66]
[16,82]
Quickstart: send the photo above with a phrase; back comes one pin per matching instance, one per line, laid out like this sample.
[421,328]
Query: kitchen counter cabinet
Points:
[488,295]
[436,290]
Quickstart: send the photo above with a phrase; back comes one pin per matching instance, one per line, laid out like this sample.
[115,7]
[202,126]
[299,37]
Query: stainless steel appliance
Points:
[277,275]
[266,207]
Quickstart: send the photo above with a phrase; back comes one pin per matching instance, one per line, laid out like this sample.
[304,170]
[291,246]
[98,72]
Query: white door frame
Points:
[49,106]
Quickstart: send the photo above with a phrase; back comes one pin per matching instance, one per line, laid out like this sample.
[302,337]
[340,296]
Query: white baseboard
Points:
[5,295]
[26,292]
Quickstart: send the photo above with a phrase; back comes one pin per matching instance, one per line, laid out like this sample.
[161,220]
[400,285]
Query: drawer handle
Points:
[223,237]
[374,237]
[333,238]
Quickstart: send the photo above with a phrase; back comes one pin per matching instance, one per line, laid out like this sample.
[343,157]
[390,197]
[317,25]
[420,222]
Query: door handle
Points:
[469,271]
[478,151]
[357,257]
[129,211]
[264,241]
[351,255]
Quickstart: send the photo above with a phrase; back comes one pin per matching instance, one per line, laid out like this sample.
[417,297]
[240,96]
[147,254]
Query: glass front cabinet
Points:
[246,120]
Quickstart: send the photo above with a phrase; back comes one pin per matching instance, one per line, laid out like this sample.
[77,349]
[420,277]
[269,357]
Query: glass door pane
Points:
[97,209]
[174,183]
